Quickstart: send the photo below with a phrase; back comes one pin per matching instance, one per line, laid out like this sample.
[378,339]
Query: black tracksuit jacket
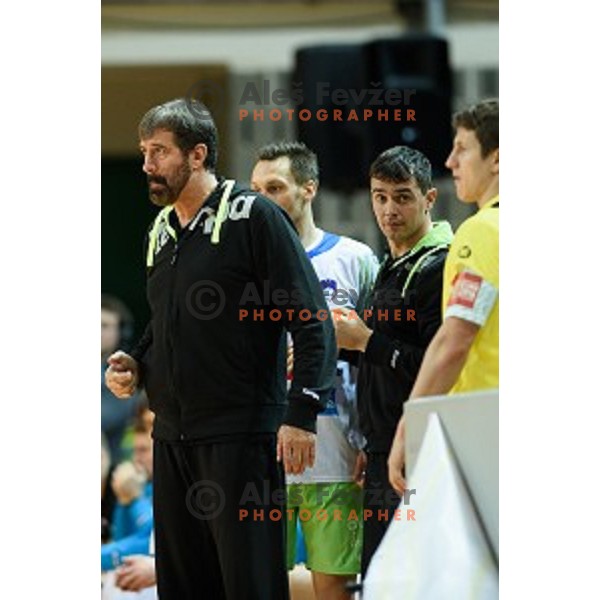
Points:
[391,361]
[209,372]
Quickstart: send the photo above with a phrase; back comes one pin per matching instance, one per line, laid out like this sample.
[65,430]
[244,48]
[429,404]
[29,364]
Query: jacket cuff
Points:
[350,356]
[139,358]
[302,415]
[378,349]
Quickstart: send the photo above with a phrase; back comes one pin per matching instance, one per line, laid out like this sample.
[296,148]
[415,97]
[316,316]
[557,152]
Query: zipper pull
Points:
[174,256]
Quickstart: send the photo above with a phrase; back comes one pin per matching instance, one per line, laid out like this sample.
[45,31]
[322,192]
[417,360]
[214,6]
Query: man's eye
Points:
[157,152]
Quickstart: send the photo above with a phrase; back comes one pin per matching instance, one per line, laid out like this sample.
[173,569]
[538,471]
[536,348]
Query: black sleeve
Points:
[282,261]
[141,352]
[349,356]
[404,359]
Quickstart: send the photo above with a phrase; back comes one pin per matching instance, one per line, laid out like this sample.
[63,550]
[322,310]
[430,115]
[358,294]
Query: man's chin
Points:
[161,200]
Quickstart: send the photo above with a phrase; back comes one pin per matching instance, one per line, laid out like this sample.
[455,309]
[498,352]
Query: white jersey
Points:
[347,270]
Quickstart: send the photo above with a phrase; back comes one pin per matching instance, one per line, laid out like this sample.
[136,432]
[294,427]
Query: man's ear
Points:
[198,156]
[496,162]
[310,190]
[430,198]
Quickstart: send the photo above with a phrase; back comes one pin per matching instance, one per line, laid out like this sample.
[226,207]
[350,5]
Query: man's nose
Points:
[148,166]
[391,209]
[450,161]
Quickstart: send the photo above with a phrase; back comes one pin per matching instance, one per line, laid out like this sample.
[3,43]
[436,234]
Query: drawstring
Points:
[222,212]
[418,265]
[414,269]
[163,218]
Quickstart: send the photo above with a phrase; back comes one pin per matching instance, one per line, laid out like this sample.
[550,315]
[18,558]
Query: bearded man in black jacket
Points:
[227,278]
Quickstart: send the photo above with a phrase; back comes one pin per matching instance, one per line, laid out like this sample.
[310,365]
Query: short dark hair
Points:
[482,118]
[399,164]
[190,122]
[304,165]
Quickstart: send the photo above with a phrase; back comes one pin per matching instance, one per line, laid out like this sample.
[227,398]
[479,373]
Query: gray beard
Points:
[170,194]
[162,200]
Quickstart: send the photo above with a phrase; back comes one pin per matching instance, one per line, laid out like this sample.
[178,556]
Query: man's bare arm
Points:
[445,357]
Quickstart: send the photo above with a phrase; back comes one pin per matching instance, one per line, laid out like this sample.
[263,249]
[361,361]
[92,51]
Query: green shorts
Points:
[330,515]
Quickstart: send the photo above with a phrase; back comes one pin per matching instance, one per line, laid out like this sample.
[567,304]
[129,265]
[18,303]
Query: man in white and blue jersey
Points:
[288,174]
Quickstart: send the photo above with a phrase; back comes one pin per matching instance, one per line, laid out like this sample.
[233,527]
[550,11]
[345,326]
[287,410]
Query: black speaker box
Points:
[342,146]
[417,65]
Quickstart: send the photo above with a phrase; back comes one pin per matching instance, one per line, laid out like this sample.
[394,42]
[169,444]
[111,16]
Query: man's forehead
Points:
[465,136]
[158,136]
[393,186]
[278,168]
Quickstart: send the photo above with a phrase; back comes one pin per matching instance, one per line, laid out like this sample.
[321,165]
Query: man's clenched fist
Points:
[122,375]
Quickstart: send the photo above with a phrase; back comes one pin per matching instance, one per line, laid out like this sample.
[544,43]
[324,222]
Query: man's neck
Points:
[194,195]
[401,248]
[491,192]
[307,230]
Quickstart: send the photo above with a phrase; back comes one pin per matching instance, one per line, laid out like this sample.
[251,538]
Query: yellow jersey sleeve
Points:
[471,277]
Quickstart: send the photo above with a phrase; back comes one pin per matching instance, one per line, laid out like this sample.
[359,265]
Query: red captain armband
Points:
[465,288]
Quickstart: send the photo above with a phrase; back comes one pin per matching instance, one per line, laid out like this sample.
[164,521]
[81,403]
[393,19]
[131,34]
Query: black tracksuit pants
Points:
[206,549]
[379,495]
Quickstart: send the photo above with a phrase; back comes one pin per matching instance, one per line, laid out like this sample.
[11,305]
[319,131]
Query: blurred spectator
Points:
[107,495]
[132,520]
[135,579]
[136,573]
[143,413]
[117,331]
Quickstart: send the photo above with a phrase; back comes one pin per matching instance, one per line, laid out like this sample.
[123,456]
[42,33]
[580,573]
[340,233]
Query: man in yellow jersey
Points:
[463,355]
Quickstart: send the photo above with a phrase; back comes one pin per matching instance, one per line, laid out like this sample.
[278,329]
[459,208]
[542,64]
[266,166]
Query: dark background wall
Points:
[127,93]
[126,215]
